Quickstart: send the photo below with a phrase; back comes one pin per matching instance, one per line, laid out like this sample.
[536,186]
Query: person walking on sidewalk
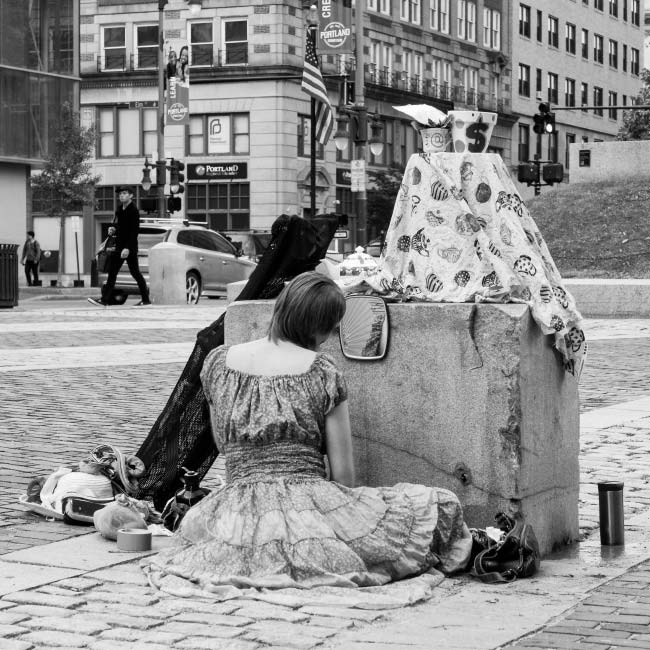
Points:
[127,220]
[31,258]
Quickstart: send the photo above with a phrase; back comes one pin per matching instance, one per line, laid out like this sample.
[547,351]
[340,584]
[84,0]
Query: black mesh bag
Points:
[181,436]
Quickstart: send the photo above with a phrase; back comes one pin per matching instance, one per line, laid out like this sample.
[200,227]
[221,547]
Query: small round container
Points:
[436,140]
[133,539]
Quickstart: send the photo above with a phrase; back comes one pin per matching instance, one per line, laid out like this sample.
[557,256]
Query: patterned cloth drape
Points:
[461,233]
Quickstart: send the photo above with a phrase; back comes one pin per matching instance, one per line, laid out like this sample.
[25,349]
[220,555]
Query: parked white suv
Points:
[211,261]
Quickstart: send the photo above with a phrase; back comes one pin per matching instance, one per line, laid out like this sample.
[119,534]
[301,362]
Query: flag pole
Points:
[312,176]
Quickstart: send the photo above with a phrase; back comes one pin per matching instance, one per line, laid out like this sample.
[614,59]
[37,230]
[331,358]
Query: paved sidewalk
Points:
[62,586]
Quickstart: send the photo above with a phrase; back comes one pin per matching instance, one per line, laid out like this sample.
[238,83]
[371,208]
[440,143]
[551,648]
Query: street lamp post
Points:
[357,118]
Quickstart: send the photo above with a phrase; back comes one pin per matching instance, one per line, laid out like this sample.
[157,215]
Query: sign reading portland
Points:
[335,26]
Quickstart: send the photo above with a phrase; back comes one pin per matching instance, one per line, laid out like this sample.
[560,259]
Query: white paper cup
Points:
[471,130]
[435,140]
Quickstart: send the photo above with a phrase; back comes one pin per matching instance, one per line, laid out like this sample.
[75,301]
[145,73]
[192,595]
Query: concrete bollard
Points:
[167,275]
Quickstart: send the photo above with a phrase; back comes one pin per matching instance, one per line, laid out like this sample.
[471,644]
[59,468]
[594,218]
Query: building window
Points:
[470,83]
[539,26]
[146,44]
[524,80]
[126,131]
[625,10]
[235,42]
[413,67]
[524,142]
[598,5]
[466,20]
[384,7]
[372,5]
[613,54]
[634,61]
[624,100]
[613,100]
[114,48]
[598,100]
[491,29]
[624,58]
[584,95]
[552,87]
[613,8]
[440,16]
[225,134]
[524,21]
[635,12]
[223,206]
[570,139]
[304,139]
[570,92]
[584,44]
[553,31]
[598,48]
[570,38]
[201,44]
[538,80]
[411,11]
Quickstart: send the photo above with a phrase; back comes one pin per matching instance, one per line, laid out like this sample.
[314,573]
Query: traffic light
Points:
[553,173]
[549,123]
[544,120]
[173,203]
[538,126]
[176,176]
[527,173]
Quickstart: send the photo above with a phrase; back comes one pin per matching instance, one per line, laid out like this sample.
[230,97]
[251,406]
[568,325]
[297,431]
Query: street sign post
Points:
[358,175]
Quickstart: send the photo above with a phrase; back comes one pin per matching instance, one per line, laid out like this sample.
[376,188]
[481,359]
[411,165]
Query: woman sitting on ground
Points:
[278,405]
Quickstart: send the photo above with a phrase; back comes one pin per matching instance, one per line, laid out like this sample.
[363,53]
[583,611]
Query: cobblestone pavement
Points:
[73,377]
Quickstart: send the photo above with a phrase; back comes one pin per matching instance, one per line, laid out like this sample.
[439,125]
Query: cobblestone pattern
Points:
[617,615]
[52,417]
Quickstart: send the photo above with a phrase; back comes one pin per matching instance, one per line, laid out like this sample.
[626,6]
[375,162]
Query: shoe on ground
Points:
[97,301]
[142,303]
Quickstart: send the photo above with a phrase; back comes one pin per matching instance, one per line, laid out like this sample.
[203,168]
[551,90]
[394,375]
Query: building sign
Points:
[335,26]
[216,170]
[584,156]
[177,84]
[219,134]
[342,234]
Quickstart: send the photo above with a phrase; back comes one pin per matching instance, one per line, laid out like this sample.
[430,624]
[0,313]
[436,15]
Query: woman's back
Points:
[266,358]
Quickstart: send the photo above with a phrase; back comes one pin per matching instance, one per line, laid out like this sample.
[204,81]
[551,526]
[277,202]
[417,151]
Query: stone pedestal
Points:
[167,275]
[470,397]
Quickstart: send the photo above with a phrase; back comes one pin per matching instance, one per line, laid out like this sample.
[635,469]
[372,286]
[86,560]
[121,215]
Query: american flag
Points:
[312,84]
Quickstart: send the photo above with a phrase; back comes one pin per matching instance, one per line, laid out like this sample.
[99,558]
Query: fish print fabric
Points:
[461,233]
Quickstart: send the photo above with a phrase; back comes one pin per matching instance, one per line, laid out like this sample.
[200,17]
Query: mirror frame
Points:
[376,305]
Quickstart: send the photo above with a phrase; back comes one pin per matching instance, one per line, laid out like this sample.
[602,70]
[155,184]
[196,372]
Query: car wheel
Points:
[192,288]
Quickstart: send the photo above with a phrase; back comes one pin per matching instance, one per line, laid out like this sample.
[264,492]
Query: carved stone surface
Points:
[470,397]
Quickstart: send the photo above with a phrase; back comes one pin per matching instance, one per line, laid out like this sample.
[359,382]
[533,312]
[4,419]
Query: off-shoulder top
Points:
[261,409]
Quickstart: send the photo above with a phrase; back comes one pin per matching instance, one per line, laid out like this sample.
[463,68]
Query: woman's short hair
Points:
[311,305]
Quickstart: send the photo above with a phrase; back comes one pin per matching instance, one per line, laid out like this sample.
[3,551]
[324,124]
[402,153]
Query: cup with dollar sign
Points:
[471,130]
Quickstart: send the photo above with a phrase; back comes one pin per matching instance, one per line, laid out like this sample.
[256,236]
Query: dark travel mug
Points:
[610,506]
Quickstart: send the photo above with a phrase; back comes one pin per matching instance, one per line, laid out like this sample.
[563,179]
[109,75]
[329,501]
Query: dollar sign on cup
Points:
[475,139]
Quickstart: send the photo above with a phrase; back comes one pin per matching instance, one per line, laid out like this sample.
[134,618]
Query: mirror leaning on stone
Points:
[363,332]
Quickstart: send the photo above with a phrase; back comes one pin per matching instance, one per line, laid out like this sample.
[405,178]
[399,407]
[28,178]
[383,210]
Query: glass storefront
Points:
[36,47]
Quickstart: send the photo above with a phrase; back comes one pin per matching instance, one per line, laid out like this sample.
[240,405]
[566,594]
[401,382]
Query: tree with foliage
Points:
[382,194]
[636,124]
[66,182]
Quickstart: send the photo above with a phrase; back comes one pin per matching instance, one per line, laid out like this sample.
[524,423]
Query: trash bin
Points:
[8,275]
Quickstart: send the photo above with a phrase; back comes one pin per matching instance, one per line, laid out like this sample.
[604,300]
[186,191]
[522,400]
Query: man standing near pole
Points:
[31,258]
[127,220]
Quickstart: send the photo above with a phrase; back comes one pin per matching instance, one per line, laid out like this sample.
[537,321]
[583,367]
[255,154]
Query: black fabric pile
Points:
[181,436]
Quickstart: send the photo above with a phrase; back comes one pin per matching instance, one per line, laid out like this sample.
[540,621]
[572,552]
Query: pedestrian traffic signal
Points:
[176,176]
[173,203]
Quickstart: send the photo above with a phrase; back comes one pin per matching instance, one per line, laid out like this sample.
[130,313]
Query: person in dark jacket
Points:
[31,258]
[127,222]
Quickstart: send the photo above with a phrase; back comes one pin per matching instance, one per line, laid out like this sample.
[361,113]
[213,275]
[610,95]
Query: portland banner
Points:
[177,83]
[335,27]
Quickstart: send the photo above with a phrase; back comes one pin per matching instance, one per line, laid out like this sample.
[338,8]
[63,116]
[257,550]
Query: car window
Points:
[149,237]
[220,244]
[202,239]
[185,237]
